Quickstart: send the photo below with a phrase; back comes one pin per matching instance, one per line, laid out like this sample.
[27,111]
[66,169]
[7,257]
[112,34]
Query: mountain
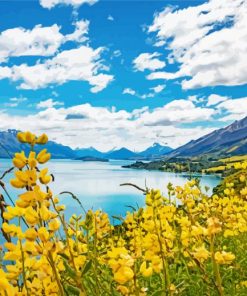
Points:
[231,140]
[91,151]
[122,153]
[10,145]
[155,151]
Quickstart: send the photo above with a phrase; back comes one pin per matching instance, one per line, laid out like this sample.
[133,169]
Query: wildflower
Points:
[31,234]
[146,270]
[43,177]
[224,257]
[123,275]
[54,225]
[43,156]
[201,253]
[43,139]
[20,160]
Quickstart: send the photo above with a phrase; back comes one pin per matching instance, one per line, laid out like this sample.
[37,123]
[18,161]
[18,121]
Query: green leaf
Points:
[69,270]
[72,290]
[86,267]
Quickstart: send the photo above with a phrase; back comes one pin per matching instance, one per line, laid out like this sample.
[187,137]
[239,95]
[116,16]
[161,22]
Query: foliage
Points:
[186,244]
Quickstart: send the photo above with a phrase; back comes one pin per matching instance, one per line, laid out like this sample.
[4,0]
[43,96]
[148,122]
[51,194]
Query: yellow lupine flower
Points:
[54,225]
[43,177]
[123,275]
[20,160]
[31,234]
[201,253]
[43,156]
[43,234]
[32,162]
[31,216]
[224,257]
[146,270]
[43,139]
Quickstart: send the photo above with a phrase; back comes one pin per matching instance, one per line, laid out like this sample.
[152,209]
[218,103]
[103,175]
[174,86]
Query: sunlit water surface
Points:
[97,184]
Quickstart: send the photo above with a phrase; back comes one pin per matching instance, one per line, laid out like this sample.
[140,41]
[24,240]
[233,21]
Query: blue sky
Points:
[122,73]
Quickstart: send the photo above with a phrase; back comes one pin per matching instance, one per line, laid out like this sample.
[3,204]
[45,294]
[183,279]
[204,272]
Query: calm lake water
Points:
[96,184]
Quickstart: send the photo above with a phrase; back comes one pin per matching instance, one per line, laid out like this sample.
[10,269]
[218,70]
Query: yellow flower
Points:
[31,234]
[31,160]
[43,139]
[43,177]
[31,216]
[20,160]
[24,178]
[43,234]
[224,257]
[4,283]
[54,225]
[43,156]
[123,275]
[201,253]
[146,270]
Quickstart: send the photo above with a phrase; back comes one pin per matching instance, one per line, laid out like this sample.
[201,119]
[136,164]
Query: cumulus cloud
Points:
[233,109]
[40,41]
[49,104]
[176,112]
[148,61]
[80,33]
[105,128]
[75,3]
[208,41]
[81,64]
[215,99]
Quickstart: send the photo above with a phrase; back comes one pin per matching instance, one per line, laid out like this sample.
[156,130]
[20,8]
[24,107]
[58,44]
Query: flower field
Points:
[186,243]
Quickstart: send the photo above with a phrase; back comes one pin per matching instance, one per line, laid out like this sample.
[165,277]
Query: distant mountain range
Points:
[231,140]
[9,145]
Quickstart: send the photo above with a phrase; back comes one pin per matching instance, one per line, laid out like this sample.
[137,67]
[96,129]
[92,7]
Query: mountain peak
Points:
[229,140]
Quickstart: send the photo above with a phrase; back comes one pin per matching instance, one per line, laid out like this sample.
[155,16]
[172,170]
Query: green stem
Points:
[55,273]
[216,269]
[23,265]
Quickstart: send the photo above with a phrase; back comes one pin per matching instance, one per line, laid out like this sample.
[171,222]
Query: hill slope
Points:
[231,140]
[10,145]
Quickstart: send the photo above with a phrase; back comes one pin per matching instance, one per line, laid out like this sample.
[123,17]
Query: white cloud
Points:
[40,41]
[80,64]
[129,91]
[110,18]
[15,102]
[105,128]
[75,3]
[148,61]
[215,99]
[154,91]
[209,52]
[233,109]
[80,33]
[48,104]
[159,88]
[175,112]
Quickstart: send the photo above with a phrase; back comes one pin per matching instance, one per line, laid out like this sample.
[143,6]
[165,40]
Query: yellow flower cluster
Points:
[186,244]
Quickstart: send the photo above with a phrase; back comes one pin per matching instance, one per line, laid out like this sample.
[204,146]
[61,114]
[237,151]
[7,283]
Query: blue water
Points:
[96,184]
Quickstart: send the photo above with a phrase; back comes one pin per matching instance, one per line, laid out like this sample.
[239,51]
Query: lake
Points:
[96,184]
